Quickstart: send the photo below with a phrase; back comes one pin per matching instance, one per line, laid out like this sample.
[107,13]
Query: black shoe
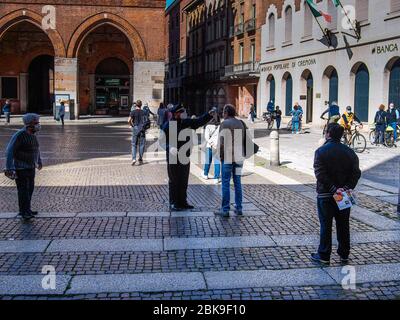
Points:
[175,208]
[34,213]
[26,216]
[317,258]
[140,161]
[344,261]
[188,207]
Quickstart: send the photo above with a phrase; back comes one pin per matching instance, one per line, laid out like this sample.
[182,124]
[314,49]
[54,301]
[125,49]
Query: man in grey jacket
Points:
[23,157]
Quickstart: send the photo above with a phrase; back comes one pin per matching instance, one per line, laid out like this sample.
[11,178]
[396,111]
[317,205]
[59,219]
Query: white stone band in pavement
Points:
[31,285]
[76,245]
[368,273]
[267,278]
[217,242]
[145,282]
[175,243]
[23,246]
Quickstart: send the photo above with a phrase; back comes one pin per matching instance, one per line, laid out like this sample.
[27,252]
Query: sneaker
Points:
[188,207]
[34,213]
[133,162]
[205,177]
[175,208]
[217,181]
[26,217]
[239,212]
[317,258]
[140,161]
[224,214]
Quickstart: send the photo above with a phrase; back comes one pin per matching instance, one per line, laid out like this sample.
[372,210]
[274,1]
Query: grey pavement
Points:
[106,228]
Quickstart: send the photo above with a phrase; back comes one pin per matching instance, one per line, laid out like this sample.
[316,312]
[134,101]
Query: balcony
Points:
[215,75]
[242,70]
[250,25]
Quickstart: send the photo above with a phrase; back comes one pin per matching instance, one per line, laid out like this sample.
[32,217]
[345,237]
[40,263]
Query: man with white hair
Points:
[23,157]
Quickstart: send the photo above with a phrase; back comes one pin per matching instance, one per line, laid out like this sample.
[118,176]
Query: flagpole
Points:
[323,31]
[351,23]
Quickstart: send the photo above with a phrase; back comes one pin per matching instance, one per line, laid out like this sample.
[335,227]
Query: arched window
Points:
[362,10]
[333,87]
[394,84]
[308,20]
[288,89]
[333,12]
[361,92]
[271,29]
[288,24]
[271,83]
[394,5]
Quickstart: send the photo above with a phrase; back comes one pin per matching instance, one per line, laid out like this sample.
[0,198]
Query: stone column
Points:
[66,84]
[148,82]
[23,92]
[92,88]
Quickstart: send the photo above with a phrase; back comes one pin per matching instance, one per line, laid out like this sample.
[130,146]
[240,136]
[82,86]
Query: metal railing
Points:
[247,67]
[250,25]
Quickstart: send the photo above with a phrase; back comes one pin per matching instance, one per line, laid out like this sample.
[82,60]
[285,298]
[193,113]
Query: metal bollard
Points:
[275,159]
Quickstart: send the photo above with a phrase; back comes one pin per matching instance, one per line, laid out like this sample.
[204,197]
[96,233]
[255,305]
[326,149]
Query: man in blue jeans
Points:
[138,120]
[337,170]
[230,148]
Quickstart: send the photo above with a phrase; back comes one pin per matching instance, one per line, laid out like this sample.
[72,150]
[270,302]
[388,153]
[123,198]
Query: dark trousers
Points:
[62,119]
[178,175]
[25,186]
[380,133]
[327,211]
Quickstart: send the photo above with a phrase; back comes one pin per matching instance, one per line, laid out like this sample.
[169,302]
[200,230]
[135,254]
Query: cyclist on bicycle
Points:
[393,117]
[333,113]
[348,118]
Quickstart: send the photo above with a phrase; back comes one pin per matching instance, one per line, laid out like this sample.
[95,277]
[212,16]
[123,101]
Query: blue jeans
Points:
[394,126]
[229,170]
[278,123]
[380,133]
[295,126]
[217,165]
[138,138]
[8,116]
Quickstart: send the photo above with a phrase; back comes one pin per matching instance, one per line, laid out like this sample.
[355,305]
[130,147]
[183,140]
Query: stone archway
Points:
[15,17]
[95,21]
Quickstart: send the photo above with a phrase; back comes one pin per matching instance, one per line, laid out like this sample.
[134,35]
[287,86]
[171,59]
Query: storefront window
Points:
[9,87]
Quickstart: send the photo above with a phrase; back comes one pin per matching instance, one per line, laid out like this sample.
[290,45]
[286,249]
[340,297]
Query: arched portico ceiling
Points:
[95,21]
[329,71]
[15,17]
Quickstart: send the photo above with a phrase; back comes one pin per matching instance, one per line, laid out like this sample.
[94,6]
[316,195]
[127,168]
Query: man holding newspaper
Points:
[337,171]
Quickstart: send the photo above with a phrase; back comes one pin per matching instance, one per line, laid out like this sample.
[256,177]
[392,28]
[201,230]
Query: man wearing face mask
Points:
[178,154]
[23,157]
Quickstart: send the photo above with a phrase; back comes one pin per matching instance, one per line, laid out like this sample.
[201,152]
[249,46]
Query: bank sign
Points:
[289,65]
[385,48]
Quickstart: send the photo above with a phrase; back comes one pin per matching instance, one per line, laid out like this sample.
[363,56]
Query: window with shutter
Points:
[271,24]
[394,5]
[288,24]
[362,10]
[308,20]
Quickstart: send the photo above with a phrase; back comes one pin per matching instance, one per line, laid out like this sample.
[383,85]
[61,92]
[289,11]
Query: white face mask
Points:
[391,107]
[184,115]
[37,127]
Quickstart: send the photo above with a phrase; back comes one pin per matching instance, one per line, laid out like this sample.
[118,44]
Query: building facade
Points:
[214,53]
[98,55]
[298,65]
[242,72]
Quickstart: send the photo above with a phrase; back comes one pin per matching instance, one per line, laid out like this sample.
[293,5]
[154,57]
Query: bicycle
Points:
[355,140]
[388,137]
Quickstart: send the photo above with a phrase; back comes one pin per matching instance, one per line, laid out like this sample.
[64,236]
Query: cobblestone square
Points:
[106,228]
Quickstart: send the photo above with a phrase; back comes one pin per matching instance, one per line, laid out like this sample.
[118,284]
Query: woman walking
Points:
[211,137]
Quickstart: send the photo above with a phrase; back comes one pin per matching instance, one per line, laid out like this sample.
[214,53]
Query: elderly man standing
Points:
[23,157]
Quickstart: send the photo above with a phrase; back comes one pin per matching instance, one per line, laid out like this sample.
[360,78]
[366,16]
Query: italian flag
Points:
[336,3]
[319,13]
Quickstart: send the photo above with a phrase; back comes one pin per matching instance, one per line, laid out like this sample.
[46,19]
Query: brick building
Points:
[100,54]
[214,53]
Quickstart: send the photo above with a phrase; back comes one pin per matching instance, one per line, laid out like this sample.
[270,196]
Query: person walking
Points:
[137,120]
[393,118]
[333,112]
[61,112]
[252,113]
[7,111]
[380,125]
[211,133]
[296,115]
[178,154]
[22,159]
[231,147]
[278,117]
[161,115]
[336,168]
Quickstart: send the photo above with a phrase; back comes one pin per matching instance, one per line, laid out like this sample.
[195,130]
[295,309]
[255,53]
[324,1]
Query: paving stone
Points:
[23,246]
[31,284]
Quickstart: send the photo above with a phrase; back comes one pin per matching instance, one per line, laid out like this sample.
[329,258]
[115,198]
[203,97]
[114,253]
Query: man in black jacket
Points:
[179,140]
[336,168]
